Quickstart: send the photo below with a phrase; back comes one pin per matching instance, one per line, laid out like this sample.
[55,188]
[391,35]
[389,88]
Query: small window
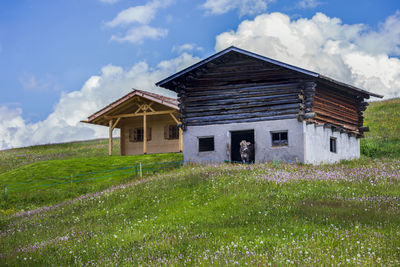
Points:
[279,138]
[206,144]
[136,134]
[171,132]
[332,145]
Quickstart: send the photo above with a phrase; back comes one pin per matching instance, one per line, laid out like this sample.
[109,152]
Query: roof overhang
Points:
[101,117]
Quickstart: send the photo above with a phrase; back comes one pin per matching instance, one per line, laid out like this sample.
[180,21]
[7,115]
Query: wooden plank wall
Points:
[338,108]
[239,89]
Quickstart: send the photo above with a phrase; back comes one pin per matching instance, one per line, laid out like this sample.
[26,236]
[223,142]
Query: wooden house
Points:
[287,112]
[141,114]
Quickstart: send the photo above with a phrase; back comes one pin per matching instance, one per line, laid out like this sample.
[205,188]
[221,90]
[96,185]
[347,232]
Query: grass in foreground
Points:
[223,215]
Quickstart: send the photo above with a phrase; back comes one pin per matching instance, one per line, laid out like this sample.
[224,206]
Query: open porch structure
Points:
[148,123]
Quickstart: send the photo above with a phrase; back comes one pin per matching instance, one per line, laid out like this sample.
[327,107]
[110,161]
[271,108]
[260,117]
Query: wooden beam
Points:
[115,124]
[141,114]
[145,132]
[180,133]
[180,139]
[174,118]
[110,140]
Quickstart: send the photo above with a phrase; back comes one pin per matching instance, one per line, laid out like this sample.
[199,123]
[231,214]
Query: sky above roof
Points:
[60,61]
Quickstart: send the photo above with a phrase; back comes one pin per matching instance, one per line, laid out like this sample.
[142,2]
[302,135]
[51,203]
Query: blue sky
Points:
[63,60]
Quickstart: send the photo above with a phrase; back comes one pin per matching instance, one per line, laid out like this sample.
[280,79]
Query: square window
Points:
[332,145]
[171,132]
[136,134]
[279,138]
[206,144]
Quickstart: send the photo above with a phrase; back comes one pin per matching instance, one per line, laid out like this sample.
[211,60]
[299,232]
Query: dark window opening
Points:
[236,138]
[332,144]
[206,144]
[136,134]
[171,132]
[279,138]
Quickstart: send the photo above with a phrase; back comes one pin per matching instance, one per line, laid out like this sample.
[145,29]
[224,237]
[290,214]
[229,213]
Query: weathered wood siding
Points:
[239,89]
[338,108]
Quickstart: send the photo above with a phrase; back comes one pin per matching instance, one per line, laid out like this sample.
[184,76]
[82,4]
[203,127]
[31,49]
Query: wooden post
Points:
[110,141]
[180,132]
[180,140]
[144,133]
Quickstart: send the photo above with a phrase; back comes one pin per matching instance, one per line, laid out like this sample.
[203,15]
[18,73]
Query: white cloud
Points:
[136,35]
[186,48]
[98,91]
[109,1]
[245,7]
[143,14]
[350,53]
[308,3]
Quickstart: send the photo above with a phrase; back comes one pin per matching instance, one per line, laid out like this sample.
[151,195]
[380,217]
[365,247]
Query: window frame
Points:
[206,137]
[169,132]
[333,148]
[281,142]
[136,132]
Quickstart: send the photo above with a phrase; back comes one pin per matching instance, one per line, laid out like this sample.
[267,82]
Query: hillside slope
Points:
[48,182]
[383,119]
[14,158]
[222,215]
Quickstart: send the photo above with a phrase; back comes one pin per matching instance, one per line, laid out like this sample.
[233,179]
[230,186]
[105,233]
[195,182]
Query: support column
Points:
[144,133]
[180,132]
[110,139]
[180,140]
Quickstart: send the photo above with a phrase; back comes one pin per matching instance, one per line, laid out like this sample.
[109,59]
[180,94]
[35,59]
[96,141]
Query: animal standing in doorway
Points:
[246,151]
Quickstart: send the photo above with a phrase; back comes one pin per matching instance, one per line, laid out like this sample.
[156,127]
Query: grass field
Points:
[341,214]
[47,182]
[383,119]
[281,214]
[13,158]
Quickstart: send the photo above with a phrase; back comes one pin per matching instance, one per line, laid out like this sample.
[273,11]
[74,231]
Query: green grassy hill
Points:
[13,158]
[222,215]
[346,213]
[383,119]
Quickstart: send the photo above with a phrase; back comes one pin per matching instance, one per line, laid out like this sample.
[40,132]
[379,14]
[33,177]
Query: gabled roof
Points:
[233,49]
[166,101]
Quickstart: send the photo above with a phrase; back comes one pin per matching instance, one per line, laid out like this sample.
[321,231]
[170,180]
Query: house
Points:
[141,114]
[287,112]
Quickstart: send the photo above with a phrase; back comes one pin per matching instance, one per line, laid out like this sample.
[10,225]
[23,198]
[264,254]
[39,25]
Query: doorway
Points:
[236,138]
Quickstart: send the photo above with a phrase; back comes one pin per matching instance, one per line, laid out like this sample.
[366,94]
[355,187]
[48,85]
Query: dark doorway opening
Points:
[236,138]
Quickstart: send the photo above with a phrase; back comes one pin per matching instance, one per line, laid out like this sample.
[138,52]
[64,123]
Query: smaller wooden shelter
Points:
[148,123]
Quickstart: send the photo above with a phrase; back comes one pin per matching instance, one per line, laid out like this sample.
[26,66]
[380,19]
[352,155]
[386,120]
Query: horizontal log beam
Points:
[244,95]
[241,116]
[244,100]
[240,105]
[244,109]
[240,89]
[140,114]
[282,117]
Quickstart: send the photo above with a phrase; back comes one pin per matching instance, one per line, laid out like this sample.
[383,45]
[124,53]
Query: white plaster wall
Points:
[262,135]
[317,146]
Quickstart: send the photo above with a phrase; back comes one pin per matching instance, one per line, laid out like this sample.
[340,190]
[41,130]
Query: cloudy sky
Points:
[62,60]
